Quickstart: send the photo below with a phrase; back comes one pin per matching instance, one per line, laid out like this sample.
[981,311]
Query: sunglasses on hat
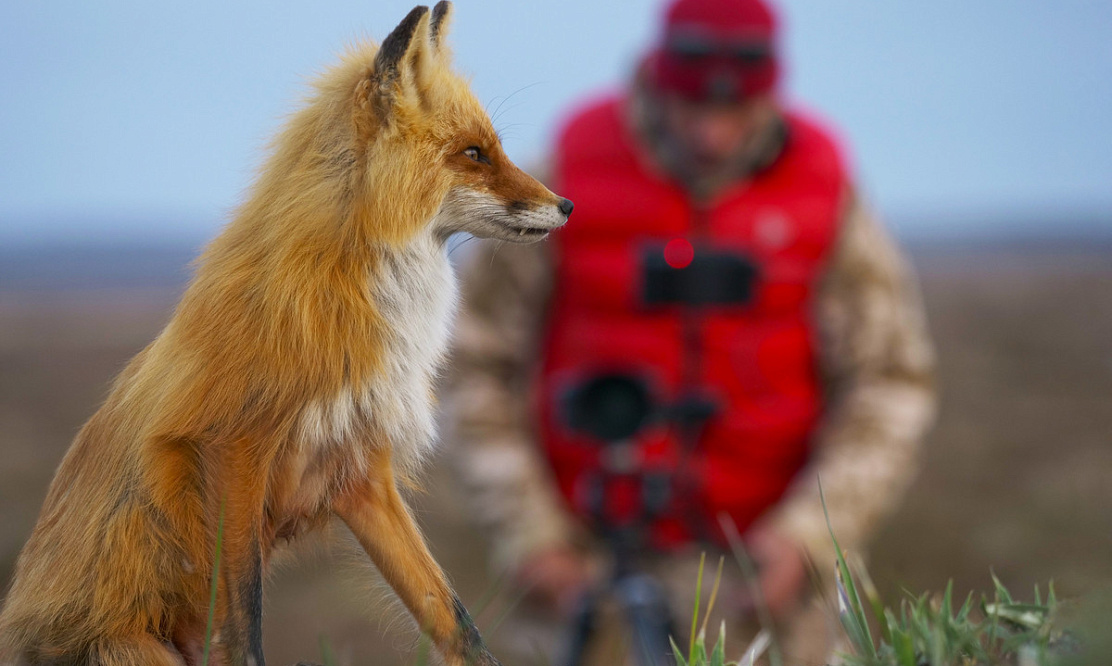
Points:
[695,44]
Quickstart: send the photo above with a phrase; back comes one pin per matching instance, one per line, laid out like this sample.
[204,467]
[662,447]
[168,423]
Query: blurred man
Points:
[722,323]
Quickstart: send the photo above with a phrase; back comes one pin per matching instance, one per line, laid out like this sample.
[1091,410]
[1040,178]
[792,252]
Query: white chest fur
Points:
[415,290]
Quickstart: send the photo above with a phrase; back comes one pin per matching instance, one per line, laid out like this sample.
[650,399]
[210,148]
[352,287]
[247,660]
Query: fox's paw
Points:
[478,657]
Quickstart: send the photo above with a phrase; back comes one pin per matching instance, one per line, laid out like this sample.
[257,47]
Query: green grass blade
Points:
[326,655]
[680,661]
[718,655]
[713,594]
[212,592]
[695,614]
[1001,591]
[993,615]
[937,647]
[513,604]
[903,645]
[699,656]
[849,618]
[966,608]
[856,613]
[873,597]
[489,595]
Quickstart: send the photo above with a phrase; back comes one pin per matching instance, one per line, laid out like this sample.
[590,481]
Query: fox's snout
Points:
[526,224]
[487,215]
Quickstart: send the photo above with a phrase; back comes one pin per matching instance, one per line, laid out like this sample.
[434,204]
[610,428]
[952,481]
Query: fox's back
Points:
[66,586]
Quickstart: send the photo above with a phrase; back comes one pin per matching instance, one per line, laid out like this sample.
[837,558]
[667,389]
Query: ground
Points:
[1016,473]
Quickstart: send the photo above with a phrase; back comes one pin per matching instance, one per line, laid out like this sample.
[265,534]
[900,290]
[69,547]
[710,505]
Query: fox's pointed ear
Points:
[403,61]
[395,50]
[441,18]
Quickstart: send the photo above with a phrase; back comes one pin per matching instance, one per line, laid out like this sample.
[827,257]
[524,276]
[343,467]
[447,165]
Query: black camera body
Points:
[712,277]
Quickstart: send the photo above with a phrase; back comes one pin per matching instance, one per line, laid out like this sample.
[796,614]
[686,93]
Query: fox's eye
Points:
[475,154]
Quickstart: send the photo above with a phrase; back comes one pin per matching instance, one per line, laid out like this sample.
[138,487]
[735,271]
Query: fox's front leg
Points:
[380,520]
[241,568]
[224,498]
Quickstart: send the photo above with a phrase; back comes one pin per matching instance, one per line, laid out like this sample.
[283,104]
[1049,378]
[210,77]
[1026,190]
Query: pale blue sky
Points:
[139,120]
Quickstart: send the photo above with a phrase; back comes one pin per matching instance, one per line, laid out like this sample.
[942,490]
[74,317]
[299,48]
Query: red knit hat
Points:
[716,49]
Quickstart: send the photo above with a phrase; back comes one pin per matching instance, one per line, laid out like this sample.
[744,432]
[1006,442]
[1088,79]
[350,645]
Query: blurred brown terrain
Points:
[1016,477]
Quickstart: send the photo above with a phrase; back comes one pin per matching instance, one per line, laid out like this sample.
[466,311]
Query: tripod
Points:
[640,598]
[644,608]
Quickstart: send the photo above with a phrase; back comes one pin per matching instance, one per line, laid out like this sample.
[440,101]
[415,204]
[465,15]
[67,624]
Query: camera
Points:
[610,407]
[711,277]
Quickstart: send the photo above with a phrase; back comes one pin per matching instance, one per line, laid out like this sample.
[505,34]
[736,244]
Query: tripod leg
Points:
[581,630]
[649,618]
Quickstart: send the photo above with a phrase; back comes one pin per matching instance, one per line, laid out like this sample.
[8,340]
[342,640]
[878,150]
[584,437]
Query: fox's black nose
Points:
[565,206]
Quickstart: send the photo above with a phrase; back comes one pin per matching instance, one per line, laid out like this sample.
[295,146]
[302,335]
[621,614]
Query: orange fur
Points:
[293,382]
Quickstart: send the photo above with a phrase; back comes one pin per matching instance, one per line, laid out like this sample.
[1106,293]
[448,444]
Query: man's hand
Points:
[781,571]
[555,577]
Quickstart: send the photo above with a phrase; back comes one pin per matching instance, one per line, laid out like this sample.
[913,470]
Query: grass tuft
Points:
[923,630]
[927,631]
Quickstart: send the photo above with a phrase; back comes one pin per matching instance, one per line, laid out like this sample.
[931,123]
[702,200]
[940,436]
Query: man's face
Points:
[713,134]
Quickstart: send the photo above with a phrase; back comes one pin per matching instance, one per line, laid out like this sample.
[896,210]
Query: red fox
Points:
[293,382]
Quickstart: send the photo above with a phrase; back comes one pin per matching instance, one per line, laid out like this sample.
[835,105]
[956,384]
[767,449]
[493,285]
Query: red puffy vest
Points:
[757,361]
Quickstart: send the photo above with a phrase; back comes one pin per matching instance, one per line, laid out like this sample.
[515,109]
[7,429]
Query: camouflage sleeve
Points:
[877,364]
[505,291]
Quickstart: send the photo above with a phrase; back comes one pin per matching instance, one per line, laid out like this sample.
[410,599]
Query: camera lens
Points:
[609,407]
